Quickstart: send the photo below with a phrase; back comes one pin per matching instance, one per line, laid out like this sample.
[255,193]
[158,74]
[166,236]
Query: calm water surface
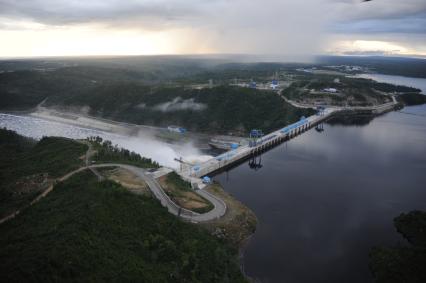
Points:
[323,200]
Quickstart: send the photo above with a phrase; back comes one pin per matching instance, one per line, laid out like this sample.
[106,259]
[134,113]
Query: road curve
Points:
[217,212]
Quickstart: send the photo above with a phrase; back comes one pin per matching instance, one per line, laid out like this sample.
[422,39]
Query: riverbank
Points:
[239,221]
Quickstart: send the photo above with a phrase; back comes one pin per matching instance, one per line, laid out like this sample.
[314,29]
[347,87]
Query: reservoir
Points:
[324,199]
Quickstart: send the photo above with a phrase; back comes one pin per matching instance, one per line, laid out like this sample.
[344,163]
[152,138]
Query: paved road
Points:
[219,205]
[217,212]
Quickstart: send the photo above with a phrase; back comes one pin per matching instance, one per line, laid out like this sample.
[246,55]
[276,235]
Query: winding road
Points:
[217,212]
[219,205]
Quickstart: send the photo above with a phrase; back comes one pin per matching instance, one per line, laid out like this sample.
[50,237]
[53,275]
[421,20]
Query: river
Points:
[324,199]
[397,80]
[144,143]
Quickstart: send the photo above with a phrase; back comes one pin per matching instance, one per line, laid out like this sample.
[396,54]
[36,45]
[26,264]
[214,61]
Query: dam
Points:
[195,173]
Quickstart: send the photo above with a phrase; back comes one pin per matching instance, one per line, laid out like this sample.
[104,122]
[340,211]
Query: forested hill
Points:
[221,109]
[125,96]
[399,66]
[85,230]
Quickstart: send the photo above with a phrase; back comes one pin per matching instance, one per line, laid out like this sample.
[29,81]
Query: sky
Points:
[288,28]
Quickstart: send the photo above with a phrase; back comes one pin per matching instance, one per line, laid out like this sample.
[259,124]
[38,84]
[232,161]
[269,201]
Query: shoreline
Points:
[236,227]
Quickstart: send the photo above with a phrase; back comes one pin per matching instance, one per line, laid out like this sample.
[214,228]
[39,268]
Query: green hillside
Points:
[27,167]
[129,96]
[86,230]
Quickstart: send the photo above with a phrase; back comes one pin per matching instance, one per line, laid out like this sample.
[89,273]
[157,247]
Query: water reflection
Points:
[325,198]
[319,128]
[255,162]
[351,120]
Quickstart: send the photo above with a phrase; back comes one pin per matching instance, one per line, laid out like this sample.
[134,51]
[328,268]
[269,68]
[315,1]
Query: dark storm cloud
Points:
[350,16]
[57,12]
[380,16]
[410,24]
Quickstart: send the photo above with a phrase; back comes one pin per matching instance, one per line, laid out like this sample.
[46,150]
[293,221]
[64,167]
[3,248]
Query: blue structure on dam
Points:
[255,137]
[289,128]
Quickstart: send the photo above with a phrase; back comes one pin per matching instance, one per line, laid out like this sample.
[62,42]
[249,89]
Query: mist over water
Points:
[144,144]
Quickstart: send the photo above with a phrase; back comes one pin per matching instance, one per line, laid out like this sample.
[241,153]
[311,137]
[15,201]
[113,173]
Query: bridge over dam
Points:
[194,173]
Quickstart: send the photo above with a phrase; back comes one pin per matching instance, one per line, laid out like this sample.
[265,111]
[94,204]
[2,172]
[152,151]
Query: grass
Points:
[126,179]
[86,230]
[178,182]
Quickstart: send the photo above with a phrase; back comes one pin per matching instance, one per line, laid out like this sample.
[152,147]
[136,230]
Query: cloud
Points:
[416,25]
[221,26]
[377,9]
[369,53]
[59,12]
[178,104]
[291,27]
[217,13]
[378,44]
